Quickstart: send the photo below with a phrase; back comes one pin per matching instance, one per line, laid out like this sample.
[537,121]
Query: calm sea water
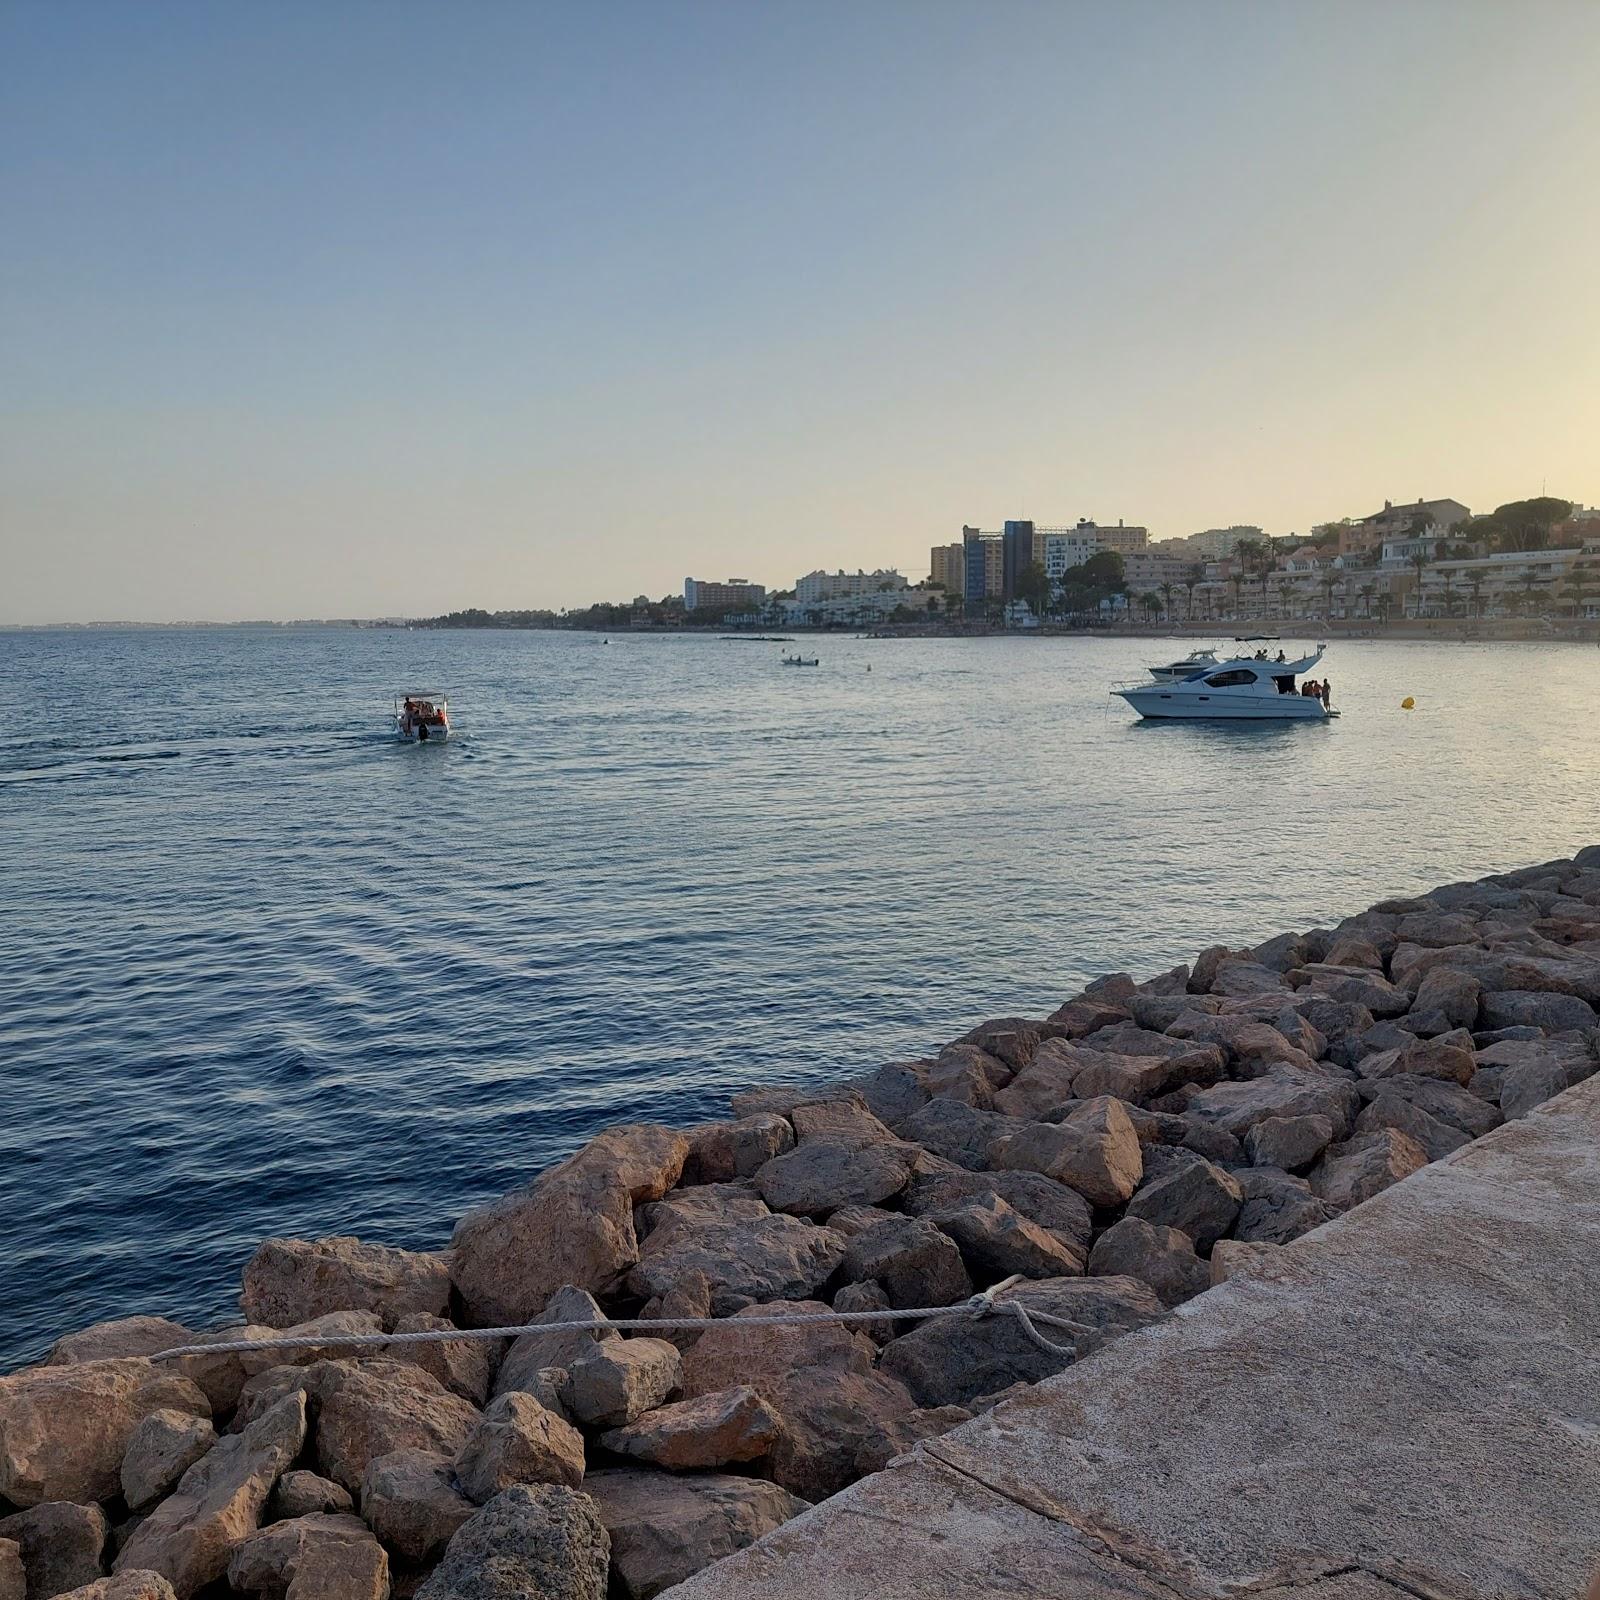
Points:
[271,972]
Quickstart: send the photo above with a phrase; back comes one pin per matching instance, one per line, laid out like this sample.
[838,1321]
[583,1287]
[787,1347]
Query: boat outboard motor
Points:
[422,731]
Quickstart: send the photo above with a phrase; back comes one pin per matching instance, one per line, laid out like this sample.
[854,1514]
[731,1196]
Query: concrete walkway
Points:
[1408,1406]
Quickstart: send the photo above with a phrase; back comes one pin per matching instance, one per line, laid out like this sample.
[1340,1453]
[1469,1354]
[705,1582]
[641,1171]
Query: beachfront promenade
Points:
[1406,1402]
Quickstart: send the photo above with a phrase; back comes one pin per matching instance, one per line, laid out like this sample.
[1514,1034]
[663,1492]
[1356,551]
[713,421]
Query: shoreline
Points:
[1103,1165]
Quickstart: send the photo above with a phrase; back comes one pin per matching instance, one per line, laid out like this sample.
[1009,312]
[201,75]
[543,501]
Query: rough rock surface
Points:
[1288,1142]
[65,1429]
[914,1262]
[957,1132]
[573,1225]
[190,1535]
[370,1408]
[722,1151]
[955,1360]
[517,1441]
[1437,1138]
[332,1556]
[1366,1165]
[1095,1151]
[745,1252]
[1160,1256]
[621,1379]
[904,1433]
[1197,1197]
[120,1586]
[112,1341]
[818,1378]
[410,1500]
[533,1353]
[1555,1013]
[1277,1207]
[820,1175]
[293,1280]
[464,1366]
[300,1493]
[996,1241]
[160,1450]
[529,1543]
[1449,1102]
[663,1529]
[60,1544]
[1282,1091]
[1231,1258]
[13,1576]
[1060,1211]
[711,1430]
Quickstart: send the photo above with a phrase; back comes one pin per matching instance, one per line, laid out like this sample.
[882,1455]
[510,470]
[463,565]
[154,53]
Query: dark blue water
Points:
[271,972]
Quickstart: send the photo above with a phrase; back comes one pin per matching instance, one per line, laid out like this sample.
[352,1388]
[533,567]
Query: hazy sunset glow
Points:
[376,309]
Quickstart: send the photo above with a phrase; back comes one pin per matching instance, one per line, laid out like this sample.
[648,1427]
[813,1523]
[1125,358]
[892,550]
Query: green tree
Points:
[1195,576]
[1034,587]
[1367,591]
[1329,583]
[1476,579]
[1151,601]
[1522,526]
[1419,560]
[1448,578]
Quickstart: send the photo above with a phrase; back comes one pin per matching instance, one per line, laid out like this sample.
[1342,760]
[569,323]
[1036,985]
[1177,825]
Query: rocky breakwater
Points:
[1118,1157]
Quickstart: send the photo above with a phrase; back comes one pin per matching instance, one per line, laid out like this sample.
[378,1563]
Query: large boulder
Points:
[1356,986]
[915,1262]
[1437,1138]
[744,1251]
[1447,1101]
[300,1494]
[1283,1091]
[370,1408]
[160,1450]
[120,1586]
[722,1151]
[838,1119]
[665,1529]
[533,1353]
[1044,1201]
[518,1441]
[1195,1196]
[1530,1084]
[545,1541]
[61,1545]
[293,1280]
[1366,1165]
[965,1073]
[464,1366]
[819,1380]
[332,1556]
[960,1133]
[1288,1142]
[819,1175]
[1095,1151]
[117,1340]
[65,1429]
[710,1430]
[1250,1045]
[619,1379]
[996,1241]
[955,1360]
[1507,966]
[1277,1207]
[1454,995]
[1514,1008]
[343,1332]
[573,1225]
[1162,1257]
[190,1535]
[410,1500]
[902,1435]
[1449,1056]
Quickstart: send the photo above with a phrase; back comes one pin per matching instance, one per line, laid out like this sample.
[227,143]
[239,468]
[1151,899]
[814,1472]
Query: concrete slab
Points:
[1409,1402]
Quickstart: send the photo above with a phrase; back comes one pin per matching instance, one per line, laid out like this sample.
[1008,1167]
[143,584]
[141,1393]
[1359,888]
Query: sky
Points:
[374,307]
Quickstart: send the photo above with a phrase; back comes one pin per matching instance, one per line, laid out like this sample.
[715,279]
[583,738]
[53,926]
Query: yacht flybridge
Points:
[1195,661]
[1243,687]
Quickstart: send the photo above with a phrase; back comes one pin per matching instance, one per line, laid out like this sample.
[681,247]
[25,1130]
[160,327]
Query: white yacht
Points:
[419,717]
[1242,688]
[1195,661]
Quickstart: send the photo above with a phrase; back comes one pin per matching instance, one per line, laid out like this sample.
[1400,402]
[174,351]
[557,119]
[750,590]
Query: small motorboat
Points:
[1240,688]
[1193,662]
[422,717]
[802,661]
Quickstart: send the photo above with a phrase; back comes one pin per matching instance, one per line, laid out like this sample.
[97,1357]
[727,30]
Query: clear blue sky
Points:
[332,308]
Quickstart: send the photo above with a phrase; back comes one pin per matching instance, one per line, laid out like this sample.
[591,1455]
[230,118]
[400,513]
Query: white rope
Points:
[978,1305]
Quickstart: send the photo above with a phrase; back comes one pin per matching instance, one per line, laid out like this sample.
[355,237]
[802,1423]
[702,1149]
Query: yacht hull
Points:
[1157,703]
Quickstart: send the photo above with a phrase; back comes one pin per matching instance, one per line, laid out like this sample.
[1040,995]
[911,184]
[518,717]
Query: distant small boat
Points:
[802,661]
[421,717]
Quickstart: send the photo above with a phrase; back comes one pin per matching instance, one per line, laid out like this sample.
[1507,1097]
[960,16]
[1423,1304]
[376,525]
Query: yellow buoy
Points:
[1408,704]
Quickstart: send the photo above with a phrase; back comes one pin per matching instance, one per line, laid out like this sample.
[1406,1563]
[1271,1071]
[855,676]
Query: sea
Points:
[271,972]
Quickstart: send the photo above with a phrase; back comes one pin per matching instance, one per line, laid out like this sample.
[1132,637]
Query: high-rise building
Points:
[983,578]
[947,564]
[699,593]
[821,585]
[1017,553]
[1215,544]
[1067,548]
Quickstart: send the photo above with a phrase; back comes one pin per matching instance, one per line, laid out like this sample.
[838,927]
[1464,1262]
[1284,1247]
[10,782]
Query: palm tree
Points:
[1366,591]
[1166,595]
[1285,590]
[1236,578]
[1449,580]
[1419,560]
[1329,583]
[1475,580]
[1193,580]
[1151,601]
[1530,585]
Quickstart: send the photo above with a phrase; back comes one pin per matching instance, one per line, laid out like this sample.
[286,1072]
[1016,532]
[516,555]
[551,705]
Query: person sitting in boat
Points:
[1282,656]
